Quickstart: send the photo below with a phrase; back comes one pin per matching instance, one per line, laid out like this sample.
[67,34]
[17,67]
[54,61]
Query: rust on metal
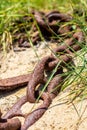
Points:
[61,56]
[12,83]
[10,124]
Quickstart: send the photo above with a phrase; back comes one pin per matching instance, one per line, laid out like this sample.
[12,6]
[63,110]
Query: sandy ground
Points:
[60,115]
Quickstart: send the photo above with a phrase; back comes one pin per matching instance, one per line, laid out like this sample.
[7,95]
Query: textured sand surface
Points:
[60,115]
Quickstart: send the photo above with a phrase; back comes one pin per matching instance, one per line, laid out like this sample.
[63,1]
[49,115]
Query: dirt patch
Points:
[60,115]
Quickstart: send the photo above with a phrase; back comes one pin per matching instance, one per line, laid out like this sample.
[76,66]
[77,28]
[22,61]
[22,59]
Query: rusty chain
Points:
[62,56]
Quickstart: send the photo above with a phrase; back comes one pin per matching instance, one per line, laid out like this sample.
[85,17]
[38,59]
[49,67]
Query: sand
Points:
[61,115]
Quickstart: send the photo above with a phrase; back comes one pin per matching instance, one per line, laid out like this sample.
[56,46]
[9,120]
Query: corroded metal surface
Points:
[58,60]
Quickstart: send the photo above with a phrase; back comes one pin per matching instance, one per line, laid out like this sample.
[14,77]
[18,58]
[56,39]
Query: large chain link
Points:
[54,63]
